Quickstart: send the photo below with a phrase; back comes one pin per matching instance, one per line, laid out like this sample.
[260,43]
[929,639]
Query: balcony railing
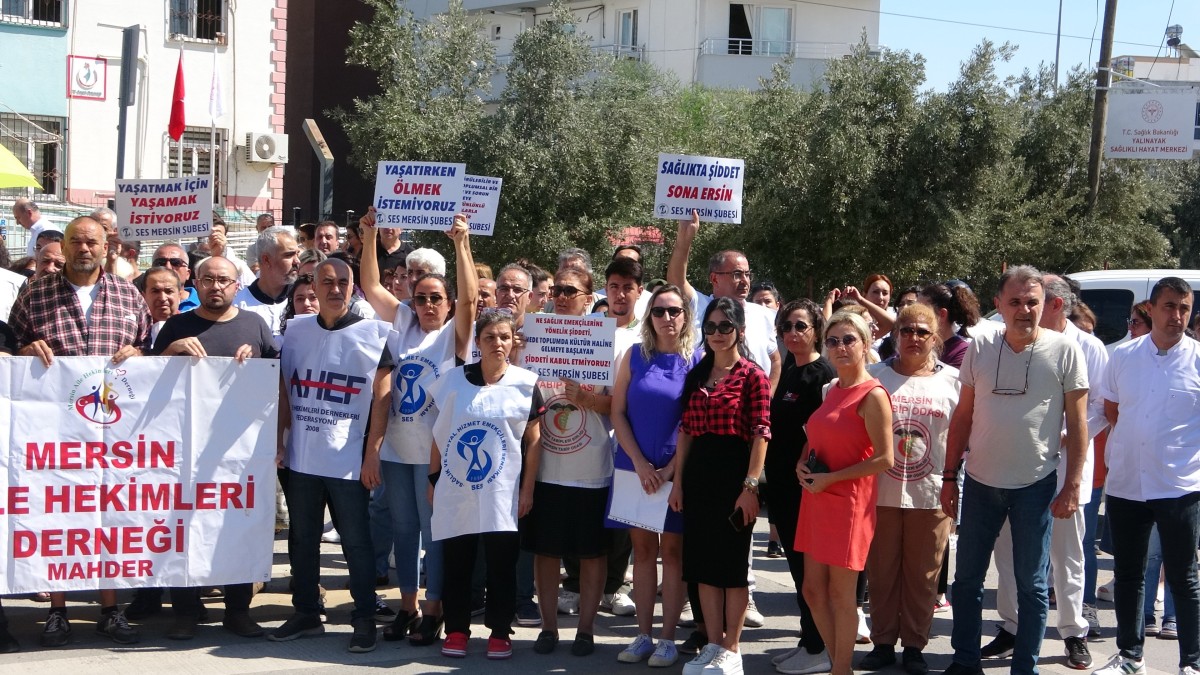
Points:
[777,48]
[633,53]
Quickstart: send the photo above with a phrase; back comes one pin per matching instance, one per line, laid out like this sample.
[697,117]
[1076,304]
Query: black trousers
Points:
[500,550]
[186,601]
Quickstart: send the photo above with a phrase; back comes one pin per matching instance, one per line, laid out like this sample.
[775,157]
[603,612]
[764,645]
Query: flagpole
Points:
[212,132]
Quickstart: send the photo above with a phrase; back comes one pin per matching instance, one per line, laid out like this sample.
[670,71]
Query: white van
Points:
[1111,294]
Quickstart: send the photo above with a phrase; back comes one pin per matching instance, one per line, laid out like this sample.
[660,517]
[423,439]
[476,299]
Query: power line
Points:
[1170,14]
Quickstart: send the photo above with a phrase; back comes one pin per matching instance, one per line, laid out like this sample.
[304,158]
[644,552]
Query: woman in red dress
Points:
[849,442]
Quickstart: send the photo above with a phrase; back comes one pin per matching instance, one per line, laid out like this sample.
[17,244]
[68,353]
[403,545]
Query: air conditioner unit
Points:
[266,148]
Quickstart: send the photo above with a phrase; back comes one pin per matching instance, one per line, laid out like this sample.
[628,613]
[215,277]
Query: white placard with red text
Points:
[481,203]
[164,208]
[156,472]
[710,185]
[418,195]
[579,348]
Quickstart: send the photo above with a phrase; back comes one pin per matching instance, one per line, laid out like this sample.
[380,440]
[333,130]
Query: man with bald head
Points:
[29,216]
[82,311]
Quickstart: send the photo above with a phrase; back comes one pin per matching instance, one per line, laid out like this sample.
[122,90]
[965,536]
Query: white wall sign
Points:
[710,185]
[1158,125]
[87,77]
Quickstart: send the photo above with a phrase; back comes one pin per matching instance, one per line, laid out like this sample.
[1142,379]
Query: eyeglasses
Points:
[724,328]
[567,292]
[787,326]
[912,331]
[1134,322]
[511,290]
[847,341]
[173,262]
[422,300]
[660,312]
[739,275]
[1010,391]
[218,283]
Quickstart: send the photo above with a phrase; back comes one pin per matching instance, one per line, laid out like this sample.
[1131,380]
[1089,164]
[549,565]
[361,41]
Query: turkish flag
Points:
[175,129]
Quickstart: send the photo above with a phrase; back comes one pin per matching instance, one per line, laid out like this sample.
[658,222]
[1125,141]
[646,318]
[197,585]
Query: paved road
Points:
[216,651]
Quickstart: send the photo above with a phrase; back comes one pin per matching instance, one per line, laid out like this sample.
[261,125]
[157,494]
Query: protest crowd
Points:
[870,426]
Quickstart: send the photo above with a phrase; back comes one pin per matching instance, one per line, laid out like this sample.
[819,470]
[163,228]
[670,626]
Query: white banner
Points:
[481,202]
[156,472]
[1158,125]
[576,347]
[164,208]
[418,195]
[710,185]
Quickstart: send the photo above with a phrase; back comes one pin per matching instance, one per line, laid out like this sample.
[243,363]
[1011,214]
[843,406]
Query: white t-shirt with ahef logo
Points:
[329,375]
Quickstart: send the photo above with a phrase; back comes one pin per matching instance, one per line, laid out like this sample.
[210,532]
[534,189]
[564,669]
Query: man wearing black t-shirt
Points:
[215,328]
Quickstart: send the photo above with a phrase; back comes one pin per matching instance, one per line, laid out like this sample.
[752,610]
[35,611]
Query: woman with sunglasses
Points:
[573,478]
[426,345]
[722,445]
[805,372]
[911,530]
[646,407]
[849,442]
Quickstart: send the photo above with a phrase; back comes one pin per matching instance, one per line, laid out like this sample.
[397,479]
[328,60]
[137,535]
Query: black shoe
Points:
[182,628]
[694,643]
[117,628]
[146,603]
[960,669]
[8,643]
[913,661]
[1000,647]
[1078,656]
[401,628]
[298,626]
[57,631]
[427,632]
[363,639]
[528,615]
[385,614]
[584,644]
[240,624]
[774,550]
[382,581]
[546,641]
[881,656]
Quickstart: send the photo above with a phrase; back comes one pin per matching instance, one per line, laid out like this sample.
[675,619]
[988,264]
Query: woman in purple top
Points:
[646,407]
[954,304]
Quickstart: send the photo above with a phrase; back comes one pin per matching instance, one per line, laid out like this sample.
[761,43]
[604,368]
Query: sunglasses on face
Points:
[724,328]
[913,331]
[660,312]
[567,292]
[173,262]
[787,326]
[847,341]
[422,300]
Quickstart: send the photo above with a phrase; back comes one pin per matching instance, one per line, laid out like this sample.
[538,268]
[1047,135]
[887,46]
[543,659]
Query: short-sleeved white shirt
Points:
[1153,452]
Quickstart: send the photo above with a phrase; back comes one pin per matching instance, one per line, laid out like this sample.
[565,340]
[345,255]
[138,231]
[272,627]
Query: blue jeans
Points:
[984,510]
[1131,524]
[407,499]
[306,504]
[1091,514]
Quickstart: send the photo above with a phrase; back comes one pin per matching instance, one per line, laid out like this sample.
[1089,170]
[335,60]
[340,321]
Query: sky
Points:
[945,31]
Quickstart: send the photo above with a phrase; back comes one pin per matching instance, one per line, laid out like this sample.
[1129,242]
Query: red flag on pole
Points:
[175,129]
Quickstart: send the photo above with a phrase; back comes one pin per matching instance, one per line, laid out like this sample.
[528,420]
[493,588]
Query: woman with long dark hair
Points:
[954,306]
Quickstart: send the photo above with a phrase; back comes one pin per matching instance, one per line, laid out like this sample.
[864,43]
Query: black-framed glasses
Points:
[724,328]
[832,342]
[170,262]
[215,282]
[565,291]
[1012,391]
[739,275]
[511,290]
[1131,322]
[422,300]
[799,326]
[913,331]
[660,312]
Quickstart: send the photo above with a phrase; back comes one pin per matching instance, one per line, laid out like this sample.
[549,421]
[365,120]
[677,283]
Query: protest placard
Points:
[710,185]
[155,472]
[481,202]
[164,208]
[1158,125]
[576,347]
[418,195]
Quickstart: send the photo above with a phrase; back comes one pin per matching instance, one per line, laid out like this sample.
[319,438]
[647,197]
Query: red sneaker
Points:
[498,648]
[455,645]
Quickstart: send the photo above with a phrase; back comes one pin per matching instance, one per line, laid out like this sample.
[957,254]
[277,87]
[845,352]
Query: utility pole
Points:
[1100,110]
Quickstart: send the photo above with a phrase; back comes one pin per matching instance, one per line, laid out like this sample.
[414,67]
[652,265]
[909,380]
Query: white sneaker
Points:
[638,650]
[1189,670]
[331,537]
[724,663]
[864,633]
[784,656]
[1105,592]
[622,605]
[568,602]
[665,655]
[754,618]
[696,665]
[803,663]
[1120,665]
[686,619]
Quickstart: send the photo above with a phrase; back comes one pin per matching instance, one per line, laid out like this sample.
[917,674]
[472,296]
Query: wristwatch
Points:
[750,484]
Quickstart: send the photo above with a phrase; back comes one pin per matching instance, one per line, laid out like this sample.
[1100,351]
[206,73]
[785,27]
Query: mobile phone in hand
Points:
[737,519]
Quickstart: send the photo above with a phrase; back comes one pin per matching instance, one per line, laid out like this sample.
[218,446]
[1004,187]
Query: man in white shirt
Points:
[278,266]
[29,216]
[1150,394]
